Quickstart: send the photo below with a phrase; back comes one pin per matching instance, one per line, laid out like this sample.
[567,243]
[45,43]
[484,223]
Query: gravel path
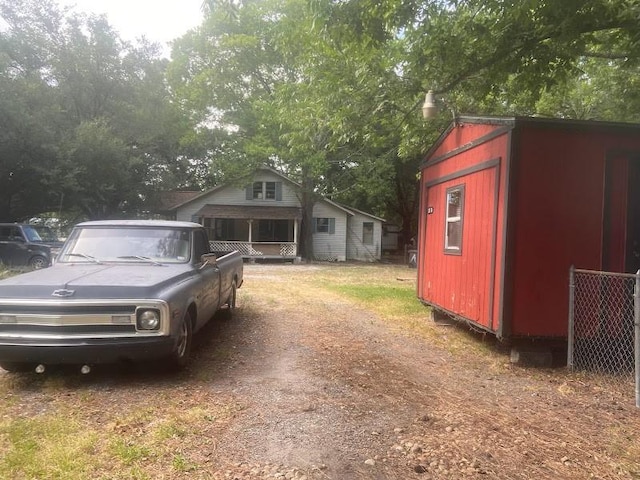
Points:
[330,391]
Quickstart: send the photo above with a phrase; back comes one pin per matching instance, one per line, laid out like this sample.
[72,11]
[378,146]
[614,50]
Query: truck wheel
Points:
[38,262]
[16,367]
[180,356]
[231,301]
[226,313]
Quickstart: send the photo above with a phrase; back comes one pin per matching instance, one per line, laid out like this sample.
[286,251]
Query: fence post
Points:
[570,337]
[636,323]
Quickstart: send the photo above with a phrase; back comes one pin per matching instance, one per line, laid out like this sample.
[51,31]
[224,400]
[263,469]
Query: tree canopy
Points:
[88,124]
[327,92]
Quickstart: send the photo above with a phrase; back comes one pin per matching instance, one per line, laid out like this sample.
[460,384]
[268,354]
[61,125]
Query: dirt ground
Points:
[317,386]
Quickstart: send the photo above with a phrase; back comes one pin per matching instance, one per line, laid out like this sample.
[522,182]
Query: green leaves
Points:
[88,117]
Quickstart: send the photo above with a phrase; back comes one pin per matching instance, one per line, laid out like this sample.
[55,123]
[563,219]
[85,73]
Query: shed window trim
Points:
[454,220]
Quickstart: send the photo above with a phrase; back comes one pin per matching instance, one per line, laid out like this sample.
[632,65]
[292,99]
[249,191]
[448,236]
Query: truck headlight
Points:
[148,319]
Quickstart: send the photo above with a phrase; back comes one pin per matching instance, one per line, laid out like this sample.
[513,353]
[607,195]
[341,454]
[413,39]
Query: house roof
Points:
[167,200]
[247,211]
[363,213]
[347,210]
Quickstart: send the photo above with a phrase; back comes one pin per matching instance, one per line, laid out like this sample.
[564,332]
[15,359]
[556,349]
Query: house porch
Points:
[257,232]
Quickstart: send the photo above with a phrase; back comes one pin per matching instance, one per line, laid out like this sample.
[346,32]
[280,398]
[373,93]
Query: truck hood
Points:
[93,281]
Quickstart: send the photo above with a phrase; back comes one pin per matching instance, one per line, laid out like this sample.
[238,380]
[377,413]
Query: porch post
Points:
[250,246]
[295,234]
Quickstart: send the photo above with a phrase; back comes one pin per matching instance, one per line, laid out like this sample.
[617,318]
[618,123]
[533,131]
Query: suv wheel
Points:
[38,262]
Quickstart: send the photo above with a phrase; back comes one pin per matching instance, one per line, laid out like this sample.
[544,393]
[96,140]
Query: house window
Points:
[324,225]
[453,226]
[265,191]
[257,191]
[367,233]
[270,190]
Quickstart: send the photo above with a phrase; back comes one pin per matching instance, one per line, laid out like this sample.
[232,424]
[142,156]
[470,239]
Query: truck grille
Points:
[63,318]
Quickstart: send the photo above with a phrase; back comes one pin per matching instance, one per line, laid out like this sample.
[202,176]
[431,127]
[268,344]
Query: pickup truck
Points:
[127,290]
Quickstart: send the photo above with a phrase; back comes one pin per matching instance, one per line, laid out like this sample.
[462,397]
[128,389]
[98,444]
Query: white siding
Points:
[187,212]
[330,246]
[229,195]
[356,249]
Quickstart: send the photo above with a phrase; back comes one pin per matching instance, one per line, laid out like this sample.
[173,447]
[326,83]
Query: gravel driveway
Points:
[333,391]
[304,382]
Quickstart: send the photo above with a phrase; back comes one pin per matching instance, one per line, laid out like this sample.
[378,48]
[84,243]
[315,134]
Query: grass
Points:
[391,293]
[80,436]
[6,272]
[46,447]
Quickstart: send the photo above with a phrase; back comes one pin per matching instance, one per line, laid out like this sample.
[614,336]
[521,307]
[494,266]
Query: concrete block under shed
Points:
[530,356]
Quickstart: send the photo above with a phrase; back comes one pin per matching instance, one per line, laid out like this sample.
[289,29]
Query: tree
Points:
[73,87]
[494,48]
[233,73]
[329,92]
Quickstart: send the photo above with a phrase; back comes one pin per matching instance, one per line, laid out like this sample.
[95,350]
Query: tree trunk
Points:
[307,200]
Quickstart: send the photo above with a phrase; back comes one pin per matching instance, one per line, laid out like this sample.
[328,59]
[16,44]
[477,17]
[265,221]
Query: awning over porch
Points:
[250,212]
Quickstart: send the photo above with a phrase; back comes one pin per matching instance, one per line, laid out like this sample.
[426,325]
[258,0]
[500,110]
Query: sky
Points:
[158,20]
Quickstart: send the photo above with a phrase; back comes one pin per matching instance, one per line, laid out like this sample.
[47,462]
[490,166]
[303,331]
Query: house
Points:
[508,205]
[263,221]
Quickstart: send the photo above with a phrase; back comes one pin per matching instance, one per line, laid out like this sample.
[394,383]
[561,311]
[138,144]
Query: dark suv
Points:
[21,245]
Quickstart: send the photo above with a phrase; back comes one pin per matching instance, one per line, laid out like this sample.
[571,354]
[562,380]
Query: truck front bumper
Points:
[85,350]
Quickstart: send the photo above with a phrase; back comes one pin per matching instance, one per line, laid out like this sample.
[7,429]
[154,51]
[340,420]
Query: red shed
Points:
[509,204]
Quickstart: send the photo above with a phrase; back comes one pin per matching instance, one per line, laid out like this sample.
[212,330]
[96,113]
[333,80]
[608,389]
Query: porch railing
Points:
[257,249]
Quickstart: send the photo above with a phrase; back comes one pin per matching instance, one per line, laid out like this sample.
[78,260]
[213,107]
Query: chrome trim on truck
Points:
[54,313]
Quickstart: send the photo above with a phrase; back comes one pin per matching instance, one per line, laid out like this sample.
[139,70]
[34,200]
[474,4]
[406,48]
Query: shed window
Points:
[453,227]
[367,233]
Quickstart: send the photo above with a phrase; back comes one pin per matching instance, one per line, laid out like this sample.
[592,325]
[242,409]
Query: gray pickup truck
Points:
[119,291]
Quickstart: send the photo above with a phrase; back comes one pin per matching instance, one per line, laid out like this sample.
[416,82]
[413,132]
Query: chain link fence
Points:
[604,327]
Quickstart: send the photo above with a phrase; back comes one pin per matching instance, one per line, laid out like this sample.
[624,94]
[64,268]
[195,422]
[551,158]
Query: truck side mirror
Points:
[208,259]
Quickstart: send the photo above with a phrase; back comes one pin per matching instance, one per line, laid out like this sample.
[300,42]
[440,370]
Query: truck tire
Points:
[179,358]
[231,301]
[227,313]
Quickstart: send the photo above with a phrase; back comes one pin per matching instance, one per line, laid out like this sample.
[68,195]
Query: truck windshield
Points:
[127,244]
